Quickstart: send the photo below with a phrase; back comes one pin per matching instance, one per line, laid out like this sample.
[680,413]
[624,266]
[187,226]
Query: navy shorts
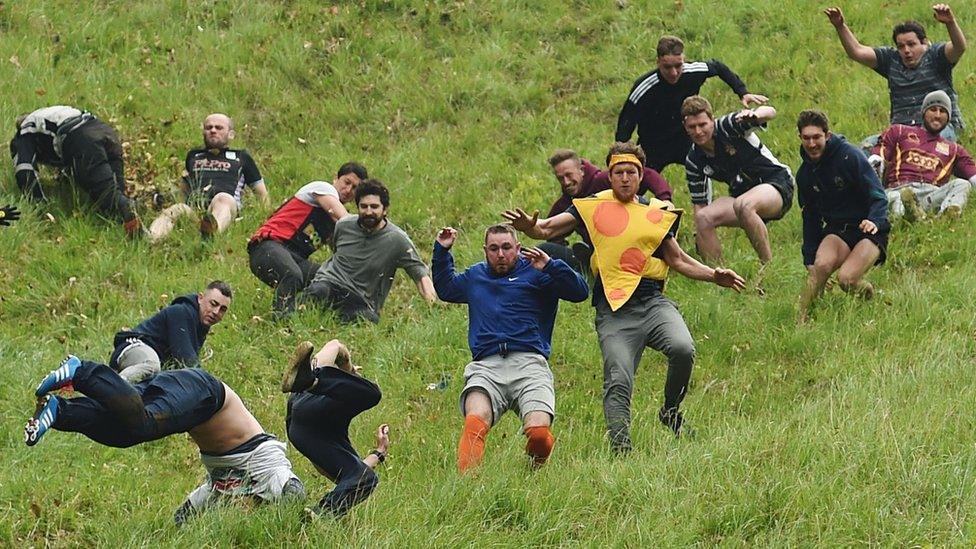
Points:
[851,234]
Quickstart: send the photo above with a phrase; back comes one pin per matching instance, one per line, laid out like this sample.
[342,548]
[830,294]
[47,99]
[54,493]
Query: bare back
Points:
[230,427]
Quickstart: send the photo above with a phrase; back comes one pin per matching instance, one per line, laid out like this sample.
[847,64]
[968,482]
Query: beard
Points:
[370,223]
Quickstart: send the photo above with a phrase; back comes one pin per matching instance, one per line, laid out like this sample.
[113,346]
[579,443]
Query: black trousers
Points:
[660,155]
[283,269]
[350,305]
[117,414]
[317,422]
[93,152]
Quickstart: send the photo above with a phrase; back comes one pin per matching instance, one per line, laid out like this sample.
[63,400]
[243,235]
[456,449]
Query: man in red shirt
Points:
[578,178]
[924,172]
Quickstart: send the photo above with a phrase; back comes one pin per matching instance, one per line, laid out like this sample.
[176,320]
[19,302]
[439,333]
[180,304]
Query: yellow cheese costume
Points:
[625,237]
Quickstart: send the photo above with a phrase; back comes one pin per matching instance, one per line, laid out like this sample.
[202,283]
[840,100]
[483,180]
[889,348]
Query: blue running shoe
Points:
[60,377]
[44,417]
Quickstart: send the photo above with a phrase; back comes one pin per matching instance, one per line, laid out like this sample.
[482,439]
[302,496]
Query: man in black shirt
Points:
[88,149]
[728,149]
[214,178]
[654,103]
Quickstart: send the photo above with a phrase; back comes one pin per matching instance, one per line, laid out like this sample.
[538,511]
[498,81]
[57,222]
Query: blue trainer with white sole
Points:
[59,377]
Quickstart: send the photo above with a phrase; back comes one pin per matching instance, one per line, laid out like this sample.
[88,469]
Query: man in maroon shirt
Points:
[923,171]
[579,178]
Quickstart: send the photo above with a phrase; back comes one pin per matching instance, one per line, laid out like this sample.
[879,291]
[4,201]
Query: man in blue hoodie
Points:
[845,212]
[173,336]
[512,299]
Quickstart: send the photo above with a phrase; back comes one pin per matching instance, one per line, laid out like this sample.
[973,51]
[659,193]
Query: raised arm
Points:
[855,50]
[567,283]
[449,285]
[540,229]
[677,259]
[957,41]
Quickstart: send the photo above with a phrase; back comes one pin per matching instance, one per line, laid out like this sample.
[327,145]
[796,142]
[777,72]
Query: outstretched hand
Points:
[868,226]
[727,278]
[8,213]
[835,16]
[537,257]
[521,220]
[446,237]
[383,438]
[943,14]
[756,98]
[747,115]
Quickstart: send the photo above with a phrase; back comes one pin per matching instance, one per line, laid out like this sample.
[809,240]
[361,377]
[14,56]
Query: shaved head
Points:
[218,130]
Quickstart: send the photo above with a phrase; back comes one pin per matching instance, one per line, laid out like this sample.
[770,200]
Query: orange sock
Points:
[471,447]
[540,443]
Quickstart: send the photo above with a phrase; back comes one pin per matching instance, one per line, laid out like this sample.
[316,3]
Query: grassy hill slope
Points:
[852,430]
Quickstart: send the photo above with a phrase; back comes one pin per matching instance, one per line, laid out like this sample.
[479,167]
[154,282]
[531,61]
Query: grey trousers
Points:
[932,199]
[649,321]
[137,362]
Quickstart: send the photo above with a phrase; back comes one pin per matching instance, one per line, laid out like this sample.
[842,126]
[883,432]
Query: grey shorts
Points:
[521,382]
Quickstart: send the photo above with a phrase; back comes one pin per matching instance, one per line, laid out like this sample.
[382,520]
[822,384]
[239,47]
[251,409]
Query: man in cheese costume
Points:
[634,247]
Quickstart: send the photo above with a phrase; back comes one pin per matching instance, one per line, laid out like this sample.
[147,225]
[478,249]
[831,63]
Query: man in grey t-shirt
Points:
[368,249]
[913,68]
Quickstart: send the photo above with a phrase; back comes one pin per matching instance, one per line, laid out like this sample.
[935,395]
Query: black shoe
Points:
[674,420]
[620,443]
[298,377]
[583,254]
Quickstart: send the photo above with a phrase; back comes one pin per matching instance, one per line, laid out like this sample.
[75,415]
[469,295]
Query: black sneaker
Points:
[620,443]
[298,377]
[674,420]
[583,254]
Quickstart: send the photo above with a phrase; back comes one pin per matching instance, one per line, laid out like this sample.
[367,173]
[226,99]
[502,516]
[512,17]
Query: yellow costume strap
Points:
[625,237]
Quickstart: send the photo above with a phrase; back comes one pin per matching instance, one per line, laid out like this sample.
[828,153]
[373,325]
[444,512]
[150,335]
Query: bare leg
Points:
[830,256]
[850,275]
[163,225]
[759,203]
[719,213]
[223,207]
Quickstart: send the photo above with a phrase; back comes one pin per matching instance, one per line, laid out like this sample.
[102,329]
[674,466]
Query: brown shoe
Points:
[133,228]
[208,226]
[298,377]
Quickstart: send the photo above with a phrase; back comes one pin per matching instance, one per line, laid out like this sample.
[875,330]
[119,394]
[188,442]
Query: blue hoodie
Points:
[175,333]
[514,312]
[839,188]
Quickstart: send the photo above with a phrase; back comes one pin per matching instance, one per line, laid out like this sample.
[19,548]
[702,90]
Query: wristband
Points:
[381,456]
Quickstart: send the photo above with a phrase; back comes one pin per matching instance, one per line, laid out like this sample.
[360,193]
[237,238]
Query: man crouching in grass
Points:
[241,459]
[845,212]
[512,299]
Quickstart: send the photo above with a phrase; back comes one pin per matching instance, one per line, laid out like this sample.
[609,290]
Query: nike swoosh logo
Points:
[512,278]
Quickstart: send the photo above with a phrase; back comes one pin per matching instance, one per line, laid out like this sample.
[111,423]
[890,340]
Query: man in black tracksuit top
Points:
[173,336]
[87,148]
[845,212]
[654,103]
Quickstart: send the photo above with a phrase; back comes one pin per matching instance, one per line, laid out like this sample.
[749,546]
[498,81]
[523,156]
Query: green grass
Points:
[851,431]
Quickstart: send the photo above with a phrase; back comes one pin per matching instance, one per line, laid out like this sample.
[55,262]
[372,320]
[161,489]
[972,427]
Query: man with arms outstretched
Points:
[512,300]
[327,392]
[913,67]
[241,459]
[845,220]
[728,149]
[634,245]
[214,178]
[654,103]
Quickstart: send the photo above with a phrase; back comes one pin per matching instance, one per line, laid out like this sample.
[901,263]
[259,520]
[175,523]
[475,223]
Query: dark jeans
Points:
[93,153]
[283,269]
[350,305]
[115,413]
[317,422]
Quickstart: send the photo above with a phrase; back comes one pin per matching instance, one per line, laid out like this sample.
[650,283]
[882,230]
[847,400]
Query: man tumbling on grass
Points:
[241,459]
[512,299]
[634,246]
[327,392]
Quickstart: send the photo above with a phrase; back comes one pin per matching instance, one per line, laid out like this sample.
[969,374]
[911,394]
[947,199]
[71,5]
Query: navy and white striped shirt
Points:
[908,87]
[741,160]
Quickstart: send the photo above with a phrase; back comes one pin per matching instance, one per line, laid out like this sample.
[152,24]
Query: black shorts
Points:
[851,234]
[784,187]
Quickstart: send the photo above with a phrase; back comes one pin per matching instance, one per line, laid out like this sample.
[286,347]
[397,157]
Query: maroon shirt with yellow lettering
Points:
[913,155]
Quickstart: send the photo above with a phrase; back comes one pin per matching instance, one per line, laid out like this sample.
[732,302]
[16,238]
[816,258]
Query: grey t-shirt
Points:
[366,262]
[908,87]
